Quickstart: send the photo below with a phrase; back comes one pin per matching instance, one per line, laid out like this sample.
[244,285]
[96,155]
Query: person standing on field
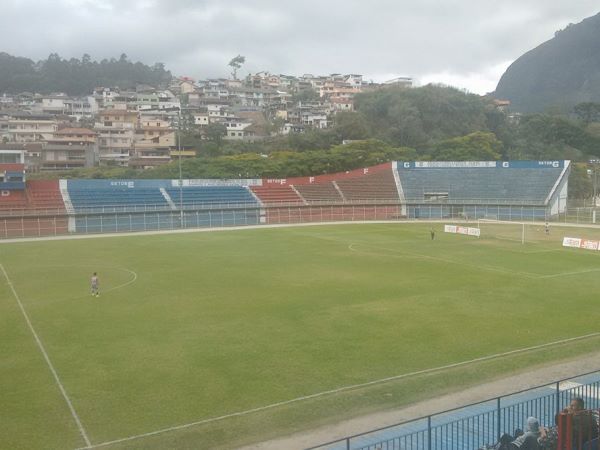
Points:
[432,232]
[94,283]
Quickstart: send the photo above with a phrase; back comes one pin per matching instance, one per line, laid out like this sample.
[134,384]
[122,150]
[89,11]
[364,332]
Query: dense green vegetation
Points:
[75,76]
[558,74]
[214,324]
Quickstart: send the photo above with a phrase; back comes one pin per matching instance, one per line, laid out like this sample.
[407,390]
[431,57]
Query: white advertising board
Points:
[586,244]
[571,242]
[469,231]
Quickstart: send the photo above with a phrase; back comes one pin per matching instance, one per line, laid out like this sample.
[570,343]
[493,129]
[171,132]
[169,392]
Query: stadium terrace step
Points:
[322,192]
[276,194]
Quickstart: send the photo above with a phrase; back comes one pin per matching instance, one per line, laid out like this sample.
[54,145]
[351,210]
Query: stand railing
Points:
[473,426]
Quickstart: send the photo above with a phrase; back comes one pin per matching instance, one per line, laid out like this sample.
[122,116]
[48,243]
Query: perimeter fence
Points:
[134,218]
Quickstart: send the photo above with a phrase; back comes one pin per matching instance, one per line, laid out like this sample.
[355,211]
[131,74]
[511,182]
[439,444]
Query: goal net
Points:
[503,229]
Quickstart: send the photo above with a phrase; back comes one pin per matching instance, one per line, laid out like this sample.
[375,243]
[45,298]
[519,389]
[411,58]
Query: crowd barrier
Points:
[481,424]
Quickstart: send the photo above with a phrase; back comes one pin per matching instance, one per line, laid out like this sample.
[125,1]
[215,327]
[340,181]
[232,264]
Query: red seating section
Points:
[380,186]
[319,192]
[12,200]
[276,194]
[363,194]
[37,211]
[45,195]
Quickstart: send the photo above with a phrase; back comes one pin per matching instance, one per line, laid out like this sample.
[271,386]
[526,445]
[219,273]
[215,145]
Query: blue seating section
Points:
[117,199]
[212,195]
[469,185]
[104,206]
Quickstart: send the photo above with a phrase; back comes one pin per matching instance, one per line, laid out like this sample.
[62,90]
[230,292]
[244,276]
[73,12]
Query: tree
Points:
[75,76]
[350,126]
[306,96]
[215,133]
[420,116]
[555,135]
[478,146]
[235,65]
[587,112]
[580,184]
[275,126]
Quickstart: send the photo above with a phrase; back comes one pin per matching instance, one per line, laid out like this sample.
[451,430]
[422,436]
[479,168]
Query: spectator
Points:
[584,425]
[530,439]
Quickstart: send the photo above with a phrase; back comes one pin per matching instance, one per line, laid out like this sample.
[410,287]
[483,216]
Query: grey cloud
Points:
[198,38]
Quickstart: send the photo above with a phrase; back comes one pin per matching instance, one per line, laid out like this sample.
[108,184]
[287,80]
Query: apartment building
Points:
[70,148]
[27,127]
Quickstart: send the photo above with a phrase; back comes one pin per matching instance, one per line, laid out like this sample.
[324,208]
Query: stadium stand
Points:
[473,184]
[29,208]
[202,196]
[12,187]
[379,186]
[101,206]
[505,190]
[12,199]
[363,194]
[105,196]
[276,194]
[319,192]
[45,195]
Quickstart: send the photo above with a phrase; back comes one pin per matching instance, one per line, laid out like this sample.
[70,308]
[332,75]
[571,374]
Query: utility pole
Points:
[180,173]
[594,180]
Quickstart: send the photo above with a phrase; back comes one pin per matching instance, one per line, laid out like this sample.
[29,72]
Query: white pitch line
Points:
[47,358]
[407,254]
[340,389]
[563,274]
[133,280]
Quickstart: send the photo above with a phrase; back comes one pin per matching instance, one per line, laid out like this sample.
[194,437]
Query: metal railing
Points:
[24,222]
[473,426]
[454,209]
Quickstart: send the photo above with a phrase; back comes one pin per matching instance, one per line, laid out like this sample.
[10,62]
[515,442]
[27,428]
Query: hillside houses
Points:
[137,127]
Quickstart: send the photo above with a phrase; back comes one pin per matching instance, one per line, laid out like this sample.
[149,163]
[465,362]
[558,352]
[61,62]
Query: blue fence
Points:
[470,427]
[154,221]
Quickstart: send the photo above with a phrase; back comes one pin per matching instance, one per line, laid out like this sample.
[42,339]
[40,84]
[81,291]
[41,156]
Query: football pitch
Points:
[219,339]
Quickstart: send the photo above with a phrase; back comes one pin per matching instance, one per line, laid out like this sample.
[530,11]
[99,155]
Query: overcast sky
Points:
[464,43]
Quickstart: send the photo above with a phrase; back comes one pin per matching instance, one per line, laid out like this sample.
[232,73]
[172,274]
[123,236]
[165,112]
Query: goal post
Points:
[502,229]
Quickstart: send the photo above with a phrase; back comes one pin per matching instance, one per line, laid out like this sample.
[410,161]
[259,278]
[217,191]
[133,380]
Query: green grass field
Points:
[196,326]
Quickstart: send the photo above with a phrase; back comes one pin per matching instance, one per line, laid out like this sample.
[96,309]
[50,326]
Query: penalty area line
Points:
[47,358]
[340,389]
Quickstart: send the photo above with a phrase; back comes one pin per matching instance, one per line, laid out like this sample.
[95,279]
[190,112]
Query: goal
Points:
[502,229]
